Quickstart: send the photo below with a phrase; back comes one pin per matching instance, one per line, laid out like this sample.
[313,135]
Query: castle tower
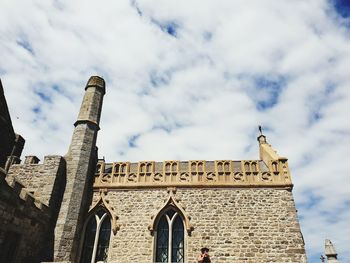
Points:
[81,162]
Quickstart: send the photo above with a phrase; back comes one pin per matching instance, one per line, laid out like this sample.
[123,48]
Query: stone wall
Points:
[7,134]
[24,223]
[238,225]
[45,181]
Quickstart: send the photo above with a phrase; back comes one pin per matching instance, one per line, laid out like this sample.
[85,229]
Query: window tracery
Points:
[170,238]
[96,239]
[168,227]
[171,202]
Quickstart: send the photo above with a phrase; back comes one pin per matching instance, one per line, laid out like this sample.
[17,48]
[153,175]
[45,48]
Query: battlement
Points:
[22,216]
[200,173]
[38,178]
[33,159]
[14,191]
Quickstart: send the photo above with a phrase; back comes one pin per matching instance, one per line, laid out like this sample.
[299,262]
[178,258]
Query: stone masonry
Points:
[238,225]
[243,210]
[24,223]
[45,181]
[81,160]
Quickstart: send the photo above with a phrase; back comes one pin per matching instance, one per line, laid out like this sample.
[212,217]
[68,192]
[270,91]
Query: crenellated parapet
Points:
[196,173]
[13,191]
[23,216]
[40,179]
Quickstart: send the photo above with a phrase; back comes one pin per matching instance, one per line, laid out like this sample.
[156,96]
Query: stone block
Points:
[31,159]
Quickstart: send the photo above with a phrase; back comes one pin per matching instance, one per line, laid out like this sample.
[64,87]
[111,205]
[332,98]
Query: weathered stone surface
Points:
[81,162]
[24,223]
[44,180]
[222,173]
[238,225]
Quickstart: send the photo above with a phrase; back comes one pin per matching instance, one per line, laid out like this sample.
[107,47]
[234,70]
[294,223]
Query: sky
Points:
[192,80]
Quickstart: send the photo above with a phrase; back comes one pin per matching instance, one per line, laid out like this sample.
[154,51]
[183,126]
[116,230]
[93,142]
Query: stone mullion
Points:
[99,222]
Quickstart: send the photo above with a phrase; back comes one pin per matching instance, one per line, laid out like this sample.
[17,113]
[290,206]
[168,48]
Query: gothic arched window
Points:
[170,238]
[97,235]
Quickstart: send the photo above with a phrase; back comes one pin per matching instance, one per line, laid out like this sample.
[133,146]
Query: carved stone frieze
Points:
[221,173]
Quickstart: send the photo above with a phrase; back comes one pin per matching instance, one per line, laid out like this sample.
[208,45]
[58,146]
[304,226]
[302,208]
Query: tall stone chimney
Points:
[81,162]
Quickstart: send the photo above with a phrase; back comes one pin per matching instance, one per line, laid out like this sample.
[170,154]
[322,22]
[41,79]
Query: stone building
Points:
[11,143]
[79,208]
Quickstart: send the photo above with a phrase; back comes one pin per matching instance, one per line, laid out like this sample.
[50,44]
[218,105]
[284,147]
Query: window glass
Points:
[103,240]
[90,234]
[170,238]
[162,240]
[178,241]
[97,236]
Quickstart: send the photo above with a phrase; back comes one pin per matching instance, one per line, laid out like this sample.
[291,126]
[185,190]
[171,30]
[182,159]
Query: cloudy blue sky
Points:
[193,80]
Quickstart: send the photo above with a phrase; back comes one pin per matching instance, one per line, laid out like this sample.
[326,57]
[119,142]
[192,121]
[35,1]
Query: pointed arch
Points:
[96,236]
[104,203]
[171,203]
[100,223]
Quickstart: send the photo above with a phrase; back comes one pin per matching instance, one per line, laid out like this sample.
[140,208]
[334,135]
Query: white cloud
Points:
[193,96]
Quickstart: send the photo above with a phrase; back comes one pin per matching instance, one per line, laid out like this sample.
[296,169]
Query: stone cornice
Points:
[89,122]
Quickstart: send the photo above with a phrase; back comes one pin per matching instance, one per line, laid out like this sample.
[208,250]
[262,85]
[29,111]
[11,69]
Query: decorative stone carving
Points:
[238,176]
[132,177]
[222,173]
[146,168]
[120,170]
[266,176]
[185,177]
[171,167]
[210,176]
[157,177]
[196,167]
[223,167]
[106,178]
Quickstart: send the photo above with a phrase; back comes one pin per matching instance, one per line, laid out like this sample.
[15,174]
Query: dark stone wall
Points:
[24,223]
[46,182]
[7,134]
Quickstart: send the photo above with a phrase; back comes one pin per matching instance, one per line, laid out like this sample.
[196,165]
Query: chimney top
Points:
[96,81]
